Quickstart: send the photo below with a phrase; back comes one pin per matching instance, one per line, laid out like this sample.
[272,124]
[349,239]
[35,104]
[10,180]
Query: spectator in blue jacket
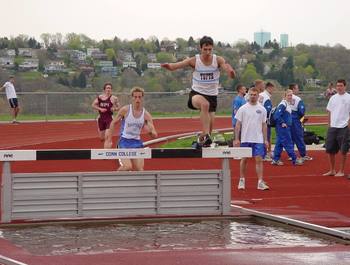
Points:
[297,129]
[283,117]
[238,101]
[265,100]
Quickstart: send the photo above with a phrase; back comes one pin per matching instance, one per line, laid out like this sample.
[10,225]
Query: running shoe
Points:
[299,162]
[241,184]
[307,158]
[267,158]
[277,163]
[204,140]
[262,185]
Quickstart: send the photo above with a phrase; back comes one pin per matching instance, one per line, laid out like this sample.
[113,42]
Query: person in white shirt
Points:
[205,85]
[251,123]
[133,119]
[338,134]
[12,97]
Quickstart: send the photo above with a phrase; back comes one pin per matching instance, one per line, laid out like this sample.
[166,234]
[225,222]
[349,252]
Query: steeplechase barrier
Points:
[79,195]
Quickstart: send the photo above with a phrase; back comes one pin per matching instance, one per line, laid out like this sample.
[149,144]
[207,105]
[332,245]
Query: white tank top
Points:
[205,79]
[131,127]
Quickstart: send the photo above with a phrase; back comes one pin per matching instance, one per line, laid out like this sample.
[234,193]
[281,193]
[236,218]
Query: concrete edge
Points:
[7,261]
[289,221]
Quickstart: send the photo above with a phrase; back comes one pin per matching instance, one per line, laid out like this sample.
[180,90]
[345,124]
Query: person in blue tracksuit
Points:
[297,130]
[238,101]
[283,118]
[265,100]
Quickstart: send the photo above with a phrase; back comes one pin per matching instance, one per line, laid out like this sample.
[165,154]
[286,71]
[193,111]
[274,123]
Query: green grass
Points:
[320,130]
[4,117]
[31,75]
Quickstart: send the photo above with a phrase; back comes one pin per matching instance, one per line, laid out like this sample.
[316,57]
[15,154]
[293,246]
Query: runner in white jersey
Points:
[133,119]
[12,97]
[205,84]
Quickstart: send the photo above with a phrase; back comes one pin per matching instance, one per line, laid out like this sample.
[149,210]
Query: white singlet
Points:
[205,78]
[131,127]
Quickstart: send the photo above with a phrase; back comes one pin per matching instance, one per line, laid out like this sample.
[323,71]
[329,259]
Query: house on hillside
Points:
[152,57]
[90,51]
[29,64]
[7,62]
[129,64]
[153,65]
[25,52]
[87,70]
[10,52]
[55,67]
[126,56]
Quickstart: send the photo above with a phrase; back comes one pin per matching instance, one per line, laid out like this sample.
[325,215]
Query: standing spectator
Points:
[205,84]
[260,85]
[105,104]
[330,91]
[283,118]
[265,100]
[297,129]
[134,117]
[251,124]
[11,95]
[238,102]
[337,140]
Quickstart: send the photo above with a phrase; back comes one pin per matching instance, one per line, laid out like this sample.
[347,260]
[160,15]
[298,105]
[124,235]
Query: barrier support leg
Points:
[6,192]
[226,187]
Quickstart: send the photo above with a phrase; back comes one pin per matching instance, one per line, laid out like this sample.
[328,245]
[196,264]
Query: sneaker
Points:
[241,184]
[299,162]
[306,158]
[262,185]
[267,158]
[277,163]
[204,140]
[15,122]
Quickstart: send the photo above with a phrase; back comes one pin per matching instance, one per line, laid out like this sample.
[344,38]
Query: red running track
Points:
[297,192]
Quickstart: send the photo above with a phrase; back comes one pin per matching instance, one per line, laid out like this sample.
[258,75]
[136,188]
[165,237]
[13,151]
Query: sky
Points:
[305,21]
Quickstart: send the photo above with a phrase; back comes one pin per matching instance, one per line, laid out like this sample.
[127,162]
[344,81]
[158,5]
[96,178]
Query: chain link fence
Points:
[48,104]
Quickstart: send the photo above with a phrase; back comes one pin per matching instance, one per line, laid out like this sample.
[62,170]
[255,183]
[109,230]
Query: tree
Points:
[46,39]
[249,74]
[164,57]
[110,54]
[82,80]
[191,42]
[287,75]
[73,41]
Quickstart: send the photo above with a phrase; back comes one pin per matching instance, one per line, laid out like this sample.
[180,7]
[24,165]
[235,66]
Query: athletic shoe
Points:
[262,185]
[277,163]
[267,158]
[241,184]
[15,122]
[299,162]
[306,158]
[204,140]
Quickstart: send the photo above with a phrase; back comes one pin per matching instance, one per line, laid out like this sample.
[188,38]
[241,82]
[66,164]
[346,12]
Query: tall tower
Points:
[262,37]
[284,42]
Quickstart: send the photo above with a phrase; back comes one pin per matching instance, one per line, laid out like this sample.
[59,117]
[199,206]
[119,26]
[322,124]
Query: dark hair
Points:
[238,87]
[107,84]
[292,86]
[206,41]
[342,81]
[269,84]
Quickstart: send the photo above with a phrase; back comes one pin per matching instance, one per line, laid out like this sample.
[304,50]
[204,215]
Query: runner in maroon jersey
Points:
[105,104]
